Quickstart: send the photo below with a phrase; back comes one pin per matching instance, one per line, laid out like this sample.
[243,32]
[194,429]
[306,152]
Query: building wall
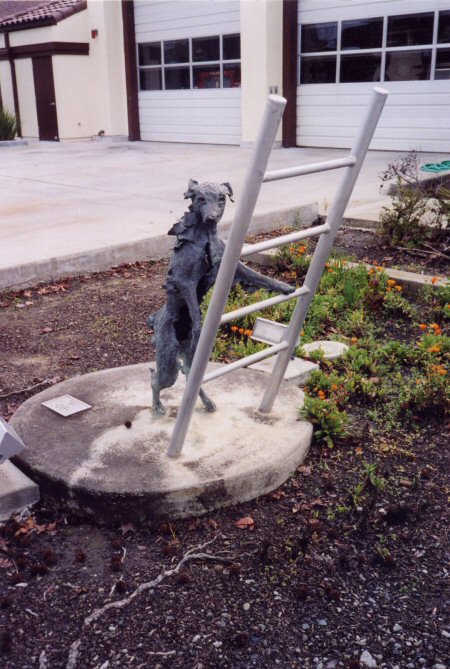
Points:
[261,51]
[416,114]
[206,115]
[27,101]
[90,90]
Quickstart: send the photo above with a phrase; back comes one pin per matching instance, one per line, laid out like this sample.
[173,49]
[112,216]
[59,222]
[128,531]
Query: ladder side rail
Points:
[262,304]
[325,244]
[315,231]
[312,168]
[244,211]
[245,362]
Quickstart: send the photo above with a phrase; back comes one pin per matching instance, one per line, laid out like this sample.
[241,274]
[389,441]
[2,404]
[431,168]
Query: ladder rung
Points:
[287,172]
[244,362]
[250,249]
[264,304]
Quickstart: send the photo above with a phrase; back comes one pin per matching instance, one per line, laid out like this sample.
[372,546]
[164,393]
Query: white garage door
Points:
[189,70]
[348,47]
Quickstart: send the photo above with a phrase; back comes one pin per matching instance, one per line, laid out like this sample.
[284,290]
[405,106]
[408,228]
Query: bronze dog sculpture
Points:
[193,269]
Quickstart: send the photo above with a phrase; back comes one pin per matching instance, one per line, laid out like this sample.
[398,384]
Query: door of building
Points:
[44,88]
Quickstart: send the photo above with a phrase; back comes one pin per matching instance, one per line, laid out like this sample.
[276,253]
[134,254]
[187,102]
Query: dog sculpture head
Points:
[208,199]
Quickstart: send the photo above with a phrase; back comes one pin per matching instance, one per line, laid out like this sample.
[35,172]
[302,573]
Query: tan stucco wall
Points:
[90,90]
[261,59]
[6,86]
[27,101]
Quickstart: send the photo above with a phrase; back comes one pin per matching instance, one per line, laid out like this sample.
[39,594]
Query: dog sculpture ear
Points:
[191,188]
[228,190]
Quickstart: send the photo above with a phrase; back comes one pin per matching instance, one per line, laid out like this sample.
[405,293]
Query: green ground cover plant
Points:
[395,372]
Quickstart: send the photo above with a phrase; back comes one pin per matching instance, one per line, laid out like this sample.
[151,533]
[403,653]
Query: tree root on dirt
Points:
[194,553]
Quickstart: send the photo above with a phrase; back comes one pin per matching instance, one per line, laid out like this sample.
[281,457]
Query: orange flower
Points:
[334,387]
[234,328]
[434,349]
[379,269]
[359,450]
[437,328]
[423,326]
[321,394]
[438,369]
[434,280]
[388,290]
[331,271]
[399,288]
[391,282]
[248,333]
[353,340]
[241,330]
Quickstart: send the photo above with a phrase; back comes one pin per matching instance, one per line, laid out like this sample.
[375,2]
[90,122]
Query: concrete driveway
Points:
[78,206]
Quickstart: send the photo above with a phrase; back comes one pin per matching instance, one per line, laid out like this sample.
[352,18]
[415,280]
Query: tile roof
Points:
[19,14]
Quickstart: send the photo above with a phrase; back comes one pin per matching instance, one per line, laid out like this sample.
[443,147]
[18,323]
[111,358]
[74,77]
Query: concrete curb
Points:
[149,248]
[17,491]
[13,142]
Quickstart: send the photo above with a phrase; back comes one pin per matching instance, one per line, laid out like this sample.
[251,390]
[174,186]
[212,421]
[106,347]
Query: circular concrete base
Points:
[97,463]
[330,349]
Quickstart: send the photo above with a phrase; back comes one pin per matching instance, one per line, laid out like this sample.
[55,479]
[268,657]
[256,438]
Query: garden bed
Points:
[370,247]
[346,559]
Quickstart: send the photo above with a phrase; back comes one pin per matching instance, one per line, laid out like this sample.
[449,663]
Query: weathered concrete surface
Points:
[73,207]
[298,370]
[97,463]
[330,349]
[17,491]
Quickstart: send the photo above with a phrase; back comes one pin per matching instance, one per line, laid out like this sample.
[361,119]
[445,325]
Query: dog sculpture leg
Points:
[167,352]
[186,368]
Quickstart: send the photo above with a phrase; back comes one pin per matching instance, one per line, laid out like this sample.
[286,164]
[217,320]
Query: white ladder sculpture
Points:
[215,317]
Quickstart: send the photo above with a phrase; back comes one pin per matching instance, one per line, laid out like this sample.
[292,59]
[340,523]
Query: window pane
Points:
[408,65]
[410,29]
[442,64]
[176,51]
[206,77]
[444,27]
[150,54]
[177,78]
[150,80]
[319,37]
[205,48]
[365,67]
[231,47]
[362,34]
[320,70]
[232,75]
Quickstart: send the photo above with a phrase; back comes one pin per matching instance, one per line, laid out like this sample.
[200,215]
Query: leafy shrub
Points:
[8,126]
[418,216]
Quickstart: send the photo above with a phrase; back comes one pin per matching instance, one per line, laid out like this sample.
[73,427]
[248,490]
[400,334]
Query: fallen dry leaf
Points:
[245,523]
[5,563]
[213,523]
[304,471]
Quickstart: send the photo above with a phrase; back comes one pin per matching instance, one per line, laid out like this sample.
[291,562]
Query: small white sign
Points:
[66,405]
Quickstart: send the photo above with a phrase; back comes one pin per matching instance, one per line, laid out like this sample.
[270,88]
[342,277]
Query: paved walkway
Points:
[71,207]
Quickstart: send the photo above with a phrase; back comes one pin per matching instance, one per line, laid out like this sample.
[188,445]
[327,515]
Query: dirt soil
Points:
[314,575]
